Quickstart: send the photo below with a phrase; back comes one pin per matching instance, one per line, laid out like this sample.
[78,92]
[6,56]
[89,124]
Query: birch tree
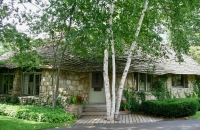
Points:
[101,28]
[110,100]
[113,59]
[124,75]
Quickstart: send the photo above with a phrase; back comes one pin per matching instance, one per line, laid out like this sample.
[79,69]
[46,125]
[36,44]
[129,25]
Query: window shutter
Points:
[97,80]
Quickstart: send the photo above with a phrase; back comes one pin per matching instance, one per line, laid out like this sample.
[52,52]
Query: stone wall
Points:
[176,92]
[180,92]
[70,84]
[74,83]
[130,82]
[17,83]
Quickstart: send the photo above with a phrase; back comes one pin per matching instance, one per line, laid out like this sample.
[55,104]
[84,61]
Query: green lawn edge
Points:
[11,123]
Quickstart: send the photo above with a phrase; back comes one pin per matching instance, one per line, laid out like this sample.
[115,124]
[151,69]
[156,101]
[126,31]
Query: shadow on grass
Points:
[9,123]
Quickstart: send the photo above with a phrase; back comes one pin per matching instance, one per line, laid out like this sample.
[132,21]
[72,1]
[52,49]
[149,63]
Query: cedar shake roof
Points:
[158,66]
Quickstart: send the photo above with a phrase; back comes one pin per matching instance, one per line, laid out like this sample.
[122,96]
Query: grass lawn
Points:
[9,123]
[196,116]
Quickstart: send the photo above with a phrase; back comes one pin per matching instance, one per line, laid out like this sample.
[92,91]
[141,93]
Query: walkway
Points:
[130,118]
[161,125]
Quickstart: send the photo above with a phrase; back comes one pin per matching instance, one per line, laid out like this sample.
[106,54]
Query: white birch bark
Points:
[121,85]
[113,61]
[106,84]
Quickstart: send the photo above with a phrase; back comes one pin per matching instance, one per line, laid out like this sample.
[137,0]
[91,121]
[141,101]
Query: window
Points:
[143,81]
[179,81]
[31,83]
[6,81]
[97,81]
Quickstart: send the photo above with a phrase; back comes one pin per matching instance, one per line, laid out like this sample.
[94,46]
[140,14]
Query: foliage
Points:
[160,90]
[125,105]
[131,99]
[178,107]
[10,123]
[77,99]
[195,53]
[196,87]
[90,23]
[198,99]
[35,113]
[187,95]
[15,100]
[22,47]
[142,95]
[196,116]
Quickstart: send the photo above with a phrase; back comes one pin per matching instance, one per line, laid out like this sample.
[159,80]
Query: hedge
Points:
[178,107]
[198,99]
[35,113]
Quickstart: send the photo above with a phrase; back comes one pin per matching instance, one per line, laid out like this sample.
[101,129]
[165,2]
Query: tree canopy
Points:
[89,27]
[89,20]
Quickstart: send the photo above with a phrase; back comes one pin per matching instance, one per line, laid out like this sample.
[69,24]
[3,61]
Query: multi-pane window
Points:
[179,81]
[143,81]
[6,81]
[31,83]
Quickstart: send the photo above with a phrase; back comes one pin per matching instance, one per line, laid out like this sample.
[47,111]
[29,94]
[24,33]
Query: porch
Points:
[128,118]
[96,114]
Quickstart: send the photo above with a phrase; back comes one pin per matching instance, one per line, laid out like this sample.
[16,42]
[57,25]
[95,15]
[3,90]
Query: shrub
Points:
[35,113]
[196,87]
[125,105]
[15,100]
[131,100]
[198,99]
[11,99]
[171,107]
[160,90]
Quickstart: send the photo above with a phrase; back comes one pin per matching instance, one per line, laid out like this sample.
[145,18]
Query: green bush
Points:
[9,99]
[160,90]
[131,100]
[35,113]
[198,99]
[178,107]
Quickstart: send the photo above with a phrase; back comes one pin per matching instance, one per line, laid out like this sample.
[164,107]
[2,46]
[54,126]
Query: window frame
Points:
[146,88]
[100,78]
[9,83]
[184,81]
[33,93]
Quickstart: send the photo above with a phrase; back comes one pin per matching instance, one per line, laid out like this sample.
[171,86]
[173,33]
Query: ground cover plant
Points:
[10,123]
[196,116]
[35,113]
[178,107]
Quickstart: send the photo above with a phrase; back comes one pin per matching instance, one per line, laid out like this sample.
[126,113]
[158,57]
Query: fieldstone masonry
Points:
[180,92]
[16,83]
[176,92]
[76,83]
[71,83]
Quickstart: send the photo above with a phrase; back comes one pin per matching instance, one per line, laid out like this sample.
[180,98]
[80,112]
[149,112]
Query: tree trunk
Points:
[52,87]
[57,78]
[113,80]
[113,61]
[121,85]
[106,84]
[59,64]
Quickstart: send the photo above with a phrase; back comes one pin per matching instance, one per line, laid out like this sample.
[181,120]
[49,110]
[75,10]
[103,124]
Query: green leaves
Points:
[83,24]
[36,113]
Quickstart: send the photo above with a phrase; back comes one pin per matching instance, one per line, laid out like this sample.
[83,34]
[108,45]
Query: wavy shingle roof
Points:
[158,66]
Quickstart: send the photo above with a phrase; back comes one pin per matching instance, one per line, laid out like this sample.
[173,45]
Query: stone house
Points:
[84,77]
